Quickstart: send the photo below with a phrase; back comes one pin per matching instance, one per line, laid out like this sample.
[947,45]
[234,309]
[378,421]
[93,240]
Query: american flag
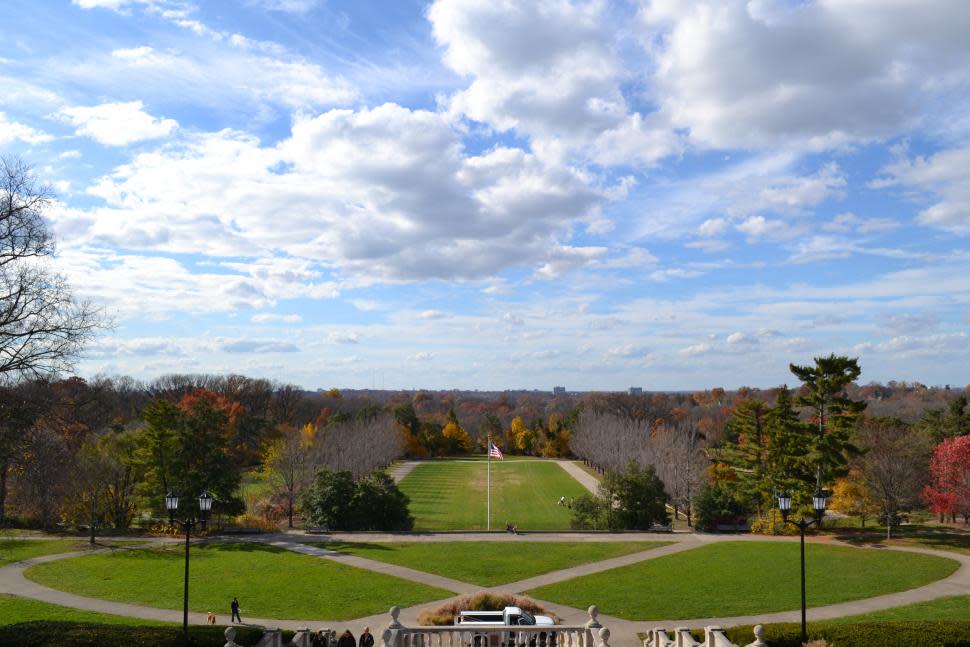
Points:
[494,451]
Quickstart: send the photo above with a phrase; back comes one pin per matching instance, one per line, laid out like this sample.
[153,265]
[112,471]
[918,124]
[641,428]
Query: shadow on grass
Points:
[926,536]
[348,546]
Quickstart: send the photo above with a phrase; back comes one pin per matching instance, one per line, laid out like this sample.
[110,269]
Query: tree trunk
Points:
[289,510]
[3,493]
[688,511]
[889,525]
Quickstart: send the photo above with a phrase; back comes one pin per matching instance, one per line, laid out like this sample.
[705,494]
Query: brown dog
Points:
[211,618]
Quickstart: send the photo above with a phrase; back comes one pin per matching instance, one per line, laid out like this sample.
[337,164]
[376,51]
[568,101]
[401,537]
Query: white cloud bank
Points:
[117,124]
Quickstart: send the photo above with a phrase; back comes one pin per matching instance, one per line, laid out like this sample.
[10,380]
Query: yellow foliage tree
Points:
[515,433]
[852,496]
[456,440]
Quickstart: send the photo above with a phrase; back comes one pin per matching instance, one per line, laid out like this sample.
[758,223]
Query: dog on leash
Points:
[210,618]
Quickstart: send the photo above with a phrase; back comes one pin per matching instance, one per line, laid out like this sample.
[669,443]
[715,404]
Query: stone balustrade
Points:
[713,637]
[591,634]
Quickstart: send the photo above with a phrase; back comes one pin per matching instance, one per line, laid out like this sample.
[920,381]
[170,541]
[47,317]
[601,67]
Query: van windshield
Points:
[526,619]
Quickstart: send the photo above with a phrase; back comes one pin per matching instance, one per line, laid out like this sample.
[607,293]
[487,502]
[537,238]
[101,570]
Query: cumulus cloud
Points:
[546,70]
[381,194]
[755,74]
[117,124]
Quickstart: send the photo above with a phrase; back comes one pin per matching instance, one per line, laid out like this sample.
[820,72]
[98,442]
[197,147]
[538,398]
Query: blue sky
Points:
[487,194]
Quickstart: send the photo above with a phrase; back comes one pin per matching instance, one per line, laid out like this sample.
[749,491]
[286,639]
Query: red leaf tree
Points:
[949,490]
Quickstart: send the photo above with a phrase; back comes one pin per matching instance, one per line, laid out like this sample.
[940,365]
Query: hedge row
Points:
[85,634]
[939,633]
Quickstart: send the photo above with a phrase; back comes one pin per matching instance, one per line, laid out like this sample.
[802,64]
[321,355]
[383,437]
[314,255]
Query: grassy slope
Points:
[452,495]
[740,578]
[269,582]
[14,610]
[491,563]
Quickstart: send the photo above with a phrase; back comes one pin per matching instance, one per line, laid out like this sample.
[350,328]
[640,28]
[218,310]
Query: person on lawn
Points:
[235,611]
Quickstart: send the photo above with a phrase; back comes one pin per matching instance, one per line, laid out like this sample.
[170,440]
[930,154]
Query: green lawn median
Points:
[490,563]
[746,578]
[270,582]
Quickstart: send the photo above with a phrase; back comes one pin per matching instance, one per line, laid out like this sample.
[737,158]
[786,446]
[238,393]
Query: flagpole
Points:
[488,487]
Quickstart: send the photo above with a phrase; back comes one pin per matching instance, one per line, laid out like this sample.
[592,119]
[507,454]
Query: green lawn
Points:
[269,582]
[451,495]
[491,563]
[17,550]
[14,610]
[741,578]
[955,607]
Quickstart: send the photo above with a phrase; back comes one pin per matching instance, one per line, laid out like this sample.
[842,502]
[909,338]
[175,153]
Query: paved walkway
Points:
[585,479]
[624,632]
[403,469]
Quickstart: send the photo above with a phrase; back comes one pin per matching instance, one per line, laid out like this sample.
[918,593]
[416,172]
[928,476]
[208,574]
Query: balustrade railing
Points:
[591,634]
[713,637]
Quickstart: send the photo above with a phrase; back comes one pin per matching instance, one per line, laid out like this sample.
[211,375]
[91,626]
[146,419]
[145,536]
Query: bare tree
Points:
[42,325]
[894,465]
[360,445]
[681,463]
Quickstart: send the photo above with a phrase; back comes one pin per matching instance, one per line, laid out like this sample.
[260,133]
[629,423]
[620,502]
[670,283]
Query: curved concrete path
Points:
[624,632]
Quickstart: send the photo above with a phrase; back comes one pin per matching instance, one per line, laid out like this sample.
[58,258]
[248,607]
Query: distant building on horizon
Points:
[559,390]
[636,390]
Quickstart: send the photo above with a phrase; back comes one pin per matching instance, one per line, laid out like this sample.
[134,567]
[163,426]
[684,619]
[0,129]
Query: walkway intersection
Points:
[12,581]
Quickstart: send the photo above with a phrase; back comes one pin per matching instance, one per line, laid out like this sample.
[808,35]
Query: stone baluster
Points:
[604,637]
[230,635]
[759,637]
[389,638]
[682,638]
[592,626]
[660,637]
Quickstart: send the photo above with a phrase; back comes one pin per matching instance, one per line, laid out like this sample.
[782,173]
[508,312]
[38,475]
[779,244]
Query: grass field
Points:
[955,607]
[269,582]
[491,563]
[740,578]
[17,550]
[14,610]
[451,495]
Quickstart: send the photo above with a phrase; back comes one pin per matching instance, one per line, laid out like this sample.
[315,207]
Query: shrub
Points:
[86,634]
[716,504]
[336,502]
[772,524]
[254,521]
[481,601]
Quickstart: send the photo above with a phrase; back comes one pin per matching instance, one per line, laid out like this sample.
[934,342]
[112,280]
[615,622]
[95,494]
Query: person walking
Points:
[235,611]
[347,640]
[366,639]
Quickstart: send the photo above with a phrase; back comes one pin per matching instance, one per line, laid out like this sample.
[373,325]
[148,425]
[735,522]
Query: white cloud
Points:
[760,74]
[944,177]
[548,71]
[11,131]
[269,317]
[258,346]
[760,228]
[117,124]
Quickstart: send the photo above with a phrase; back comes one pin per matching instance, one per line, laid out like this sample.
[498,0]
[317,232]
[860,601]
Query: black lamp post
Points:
[818,502]
[172,504]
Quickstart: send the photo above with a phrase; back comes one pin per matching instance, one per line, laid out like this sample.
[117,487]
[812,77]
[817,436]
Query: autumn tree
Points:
[287,464]
[852,496]
[949,490]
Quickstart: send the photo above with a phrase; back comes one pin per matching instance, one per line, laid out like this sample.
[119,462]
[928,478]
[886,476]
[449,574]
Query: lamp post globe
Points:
[784,503]
[171,502]
[819,500]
